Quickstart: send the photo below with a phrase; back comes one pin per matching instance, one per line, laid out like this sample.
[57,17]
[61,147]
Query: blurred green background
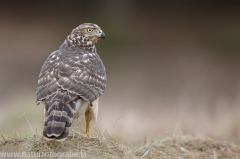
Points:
[173,67]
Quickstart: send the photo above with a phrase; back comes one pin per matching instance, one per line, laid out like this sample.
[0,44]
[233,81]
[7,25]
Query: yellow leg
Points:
[88,117]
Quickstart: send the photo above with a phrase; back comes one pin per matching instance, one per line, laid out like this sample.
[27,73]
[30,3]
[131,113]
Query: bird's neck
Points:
[74,42]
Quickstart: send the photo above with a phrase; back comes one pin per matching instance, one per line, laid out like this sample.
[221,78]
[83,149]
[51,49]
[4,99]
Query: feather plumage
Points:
[73,72]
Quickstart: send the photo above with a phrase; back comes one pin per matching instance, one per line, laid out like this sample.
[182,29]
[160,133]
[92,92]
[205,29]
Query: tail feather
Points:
[60,110]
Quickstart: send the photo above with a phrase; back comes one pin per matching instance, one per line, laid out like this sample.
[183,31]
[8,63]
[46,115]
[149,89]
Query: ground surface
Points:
[104,146]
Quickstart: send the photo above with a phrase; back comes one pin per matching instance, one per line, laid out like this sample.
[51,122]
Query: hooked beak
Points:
[102,35]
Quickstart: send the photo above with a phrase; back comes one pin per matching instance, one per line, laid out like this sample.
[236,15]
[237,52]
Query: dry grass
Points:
[104,146]
[184,147]
[99,146]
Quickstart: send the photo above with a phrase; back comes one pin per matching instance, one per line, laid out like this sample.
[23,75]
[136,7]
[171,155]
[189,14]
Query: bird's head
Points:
[92,31]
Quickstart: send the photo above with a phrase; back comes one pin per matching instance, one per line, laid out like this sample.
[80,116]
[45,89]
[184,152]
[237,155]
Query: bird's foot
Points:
[87,135]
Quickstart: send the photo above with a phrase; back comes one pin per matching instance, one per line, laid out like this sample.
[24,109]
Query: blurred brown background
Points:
[173,67]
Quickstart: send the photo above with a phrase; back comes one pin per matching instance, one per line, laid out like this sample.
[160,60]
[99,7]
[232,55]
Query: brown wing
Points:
[80,72]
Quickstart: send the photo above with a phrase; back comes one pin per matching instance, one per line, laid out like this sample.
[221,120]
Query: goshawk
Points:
[71,81]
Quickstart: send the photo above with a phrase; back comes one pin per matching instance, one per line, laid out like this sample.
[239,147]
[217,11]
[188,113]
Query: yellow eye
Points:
[89,30]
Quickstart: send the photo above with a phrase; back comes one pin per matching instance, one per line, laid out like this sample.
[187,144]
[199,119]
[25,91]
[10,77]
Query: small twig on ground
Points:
[145,153]
[29,123]
[3,135]
[116,123]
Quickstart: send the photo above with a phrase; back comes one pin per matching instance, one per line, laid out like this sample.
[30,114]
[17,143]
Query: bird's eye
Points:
[89,30]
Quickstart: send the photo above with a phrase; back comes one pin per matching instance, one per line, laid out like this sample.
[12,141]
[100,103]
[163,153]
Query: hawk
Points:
[71,81]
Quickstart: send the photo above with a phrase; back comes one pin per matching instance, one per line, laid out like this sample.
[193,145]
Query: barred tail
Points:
[60,109]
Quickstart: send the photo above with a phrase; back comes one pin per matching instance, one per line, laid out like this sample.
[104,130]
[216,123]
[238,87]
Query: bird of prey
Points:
[71,81]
